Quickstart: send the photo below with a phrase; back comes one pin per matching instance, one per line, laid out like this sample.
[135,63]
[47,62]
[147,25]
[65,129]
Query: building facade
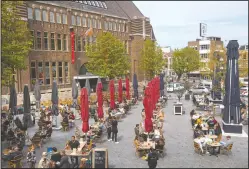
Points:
[243,60]
[206,47]
[167,54]
[50,22]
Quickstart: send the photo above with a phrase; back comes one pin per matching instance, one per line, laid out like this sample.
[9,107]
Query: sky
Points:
[175,23]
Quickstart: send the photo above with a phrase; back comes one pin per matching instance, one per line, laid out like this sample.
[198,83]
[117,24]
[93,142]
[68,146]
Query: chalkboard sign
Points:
[178,109]
[100,158]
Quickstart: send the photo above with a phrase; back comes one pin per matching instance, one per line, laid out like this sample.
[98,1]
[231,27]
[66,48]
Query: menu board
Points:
[100,158]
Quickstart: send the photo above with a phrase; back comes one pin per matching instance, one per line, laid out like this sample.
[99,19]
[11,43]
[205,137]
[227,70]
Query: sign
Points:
[203,29]
[100,158]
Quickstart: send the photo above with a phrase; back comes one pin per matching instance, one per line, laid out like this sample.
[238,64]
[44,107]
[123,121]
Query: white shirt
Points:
[196,116]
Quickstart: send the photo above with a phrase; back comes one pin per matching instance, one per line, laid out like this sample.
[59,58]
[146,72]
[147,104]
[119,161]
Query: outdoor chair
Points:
[160,151]
[65,126]
[197,148]
[227,149]
[36,141]
[16,162]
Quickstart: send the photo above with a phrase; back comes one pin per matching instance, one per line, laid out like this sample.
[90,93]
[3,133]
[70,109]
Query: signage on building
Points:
[203,29]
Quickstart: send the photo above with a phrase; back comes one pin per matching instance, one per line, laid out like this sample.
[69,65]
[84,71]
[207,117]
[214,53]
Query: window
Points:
[59,41]
[85,2]
[204,47]
[94,23]
[51,17]
[110,25]
[118,27]
[54,71]
[97,4]
[47,74]
[64,18]
[88,2]
[126,28]
[93,3]
[33,72]
[73,20]
[52,47]
[89,22]
[84,21]
[58,18]
[78,21]
[204,56]
[78,43]
[30,13]
[67,73]
[38,14]
[114,26]
[104,5]
[60,73]
[106,25]
[40,73]
[99,24]
[33,39]
[45,16]
[45,41]
[65,42]
[38,40]
[122,27]
[101,5]
[84,43]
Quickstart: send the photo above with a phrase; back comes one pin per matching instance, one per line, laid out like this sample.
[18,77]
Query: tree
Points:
[16,41]
[152,61]
[184,61]
[107,57]
[243,63]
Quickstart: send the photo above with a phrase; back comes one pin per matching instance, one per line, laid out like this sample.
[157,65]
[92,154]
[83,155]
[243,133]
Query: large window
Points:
[52,41]
[118,27]
[73,20]
[30,13]
[78,21]
[89,22]
[45,16]
[38,40]
[52,17]
[65,42]
[204,56]
[33,39]
[84,21]
[67,78]
[84,43]
[59,42]
[60,80]
[114,26]
[64,18]
[204,47]
[45,40]
[40,73]
[38,14]
[54,71]
[47,74]
[33,72]
[58,18]
[94,23]
[106,25]
[78,43]
[122,27]
[99,24]
[110,25]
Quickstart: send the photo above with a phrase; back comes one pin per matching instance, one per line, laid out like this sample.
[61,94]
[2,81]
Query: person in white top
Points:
[202,141]
[44,162]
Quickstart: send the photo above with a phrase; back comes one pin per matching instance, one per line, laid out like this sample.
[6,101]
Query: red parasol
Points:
[84,110]
[100,100]
[112,94]
[120,91]
[127,85]
[147,107]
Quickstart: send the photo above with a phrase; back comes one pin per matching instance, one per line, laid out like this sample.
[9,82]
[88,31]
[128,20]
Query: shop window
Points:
[60,72]
[54,71]
[47,74]
[40,73]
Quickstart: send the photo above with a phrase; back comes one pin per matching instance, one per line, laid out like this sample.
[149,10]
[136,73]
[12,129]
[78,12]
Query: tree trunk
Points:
[179,77]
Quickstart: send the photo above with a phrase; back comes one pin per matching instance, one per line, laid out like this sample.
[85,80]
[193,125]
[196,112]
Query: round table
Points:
[214,145]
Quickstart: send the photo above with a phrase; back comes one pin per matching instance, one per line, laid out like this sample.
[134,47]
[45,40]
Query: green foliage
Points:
[152,61]
[185,60]
[107,57]
[16,41]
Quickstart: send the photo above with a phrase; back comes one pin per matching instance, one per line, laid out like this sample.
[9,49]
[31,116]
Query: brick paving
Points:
[179,143]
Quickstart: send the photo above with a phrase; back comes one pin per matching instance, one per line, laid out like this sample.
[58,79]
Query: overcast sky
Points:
[176,23]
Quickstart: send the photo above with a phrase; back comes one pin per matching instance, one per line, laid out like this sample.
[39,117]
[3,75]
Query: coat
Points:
[152,159]
[64,163]
[115,126]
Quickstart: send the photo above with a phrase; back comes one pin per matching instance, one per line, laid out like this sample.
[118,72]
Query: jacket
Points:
[64,163]
[56,157]
[115,126]
[152,159]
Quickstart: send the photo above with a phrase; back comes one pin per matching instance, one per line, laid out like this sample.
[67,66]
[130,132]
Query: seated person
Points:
[74,143]
[11,133]
[96,120]
[160,144]
[56,156]
[65,119]
[71,116]
[227,143]
[136,129]
[12,154]
[67,147]
[211,123]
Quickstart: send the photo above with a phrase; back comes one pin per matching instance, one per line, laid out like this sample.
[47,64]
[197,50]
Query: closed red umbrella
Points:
[84,110]
[147,107]
[112,94]
[127,85]
[120,91]
[100,101]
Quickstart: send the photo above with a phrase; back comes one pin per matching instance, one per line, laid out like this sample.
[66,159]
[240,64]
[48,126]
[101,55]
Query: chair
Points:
[36,141]
[197,148]
[160,151]
[227,149]
[16,162]
[65,126]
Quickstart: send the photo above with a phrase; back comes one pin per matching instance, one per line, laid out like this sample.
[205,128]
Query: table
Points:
[212,136]
[215,145]
[147,145]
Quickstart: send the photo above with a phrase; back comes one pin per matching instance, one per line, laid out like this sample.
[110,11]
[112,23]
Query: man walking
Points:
[152,158]
[114,130]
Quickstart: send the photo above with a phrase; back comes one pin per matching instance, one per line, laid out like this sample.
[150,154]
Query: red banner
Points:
[72,46]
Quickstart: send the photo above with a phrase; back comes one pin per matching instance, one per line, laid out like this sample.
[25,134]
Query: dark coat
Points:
[115,126]
[152,159]
[64,163]
[56,157]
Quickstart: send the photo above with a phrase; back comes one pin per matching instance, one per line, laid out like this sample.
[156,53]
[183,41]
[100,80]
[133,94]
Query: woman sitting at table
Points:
[83,163]
[160,144]
[218,132]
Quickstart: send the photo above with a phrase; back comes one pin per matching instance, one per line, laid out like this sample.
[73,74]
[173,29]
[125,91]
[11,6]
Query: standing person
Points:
[31,158]
[136,129]
[109,128]
[152,158]
[114,130]
[44,162]
[64,163]
[55,157]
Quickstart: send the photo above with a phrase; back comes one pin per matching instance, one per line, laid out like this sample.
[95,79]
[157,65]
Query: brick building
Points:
[205,47]
[49,23]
